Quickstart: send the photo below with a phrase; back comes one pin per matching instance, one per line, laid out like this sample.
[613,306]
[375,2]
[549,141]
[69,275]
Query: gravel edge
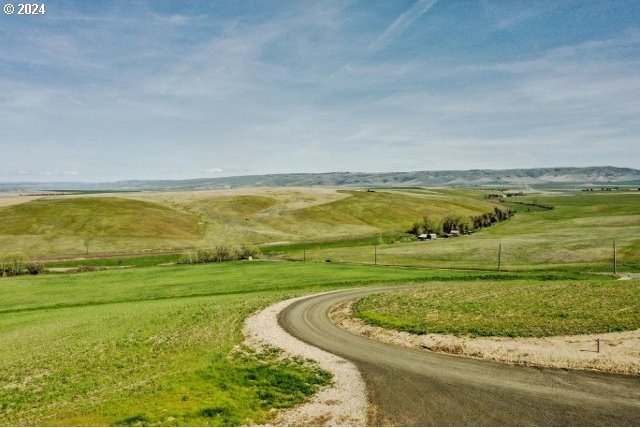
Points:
[342,403]
[619,351]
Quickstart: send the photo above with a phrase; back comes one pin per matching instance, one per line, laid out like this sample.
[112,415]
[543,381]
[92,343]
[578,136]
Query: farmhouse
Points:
[426,236]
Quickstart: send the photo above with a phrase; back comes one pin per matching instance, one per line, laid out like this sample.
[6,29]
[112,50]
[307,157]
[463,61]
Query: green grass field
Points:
[514,308]
[155,345]
[159,345]
[577,234]
[121,261]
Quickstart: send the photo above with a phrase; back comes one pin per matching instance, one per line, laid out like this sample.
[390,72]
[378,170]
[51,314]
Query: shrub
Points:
[220,253]
[35,268]
[17,265]
[245,252]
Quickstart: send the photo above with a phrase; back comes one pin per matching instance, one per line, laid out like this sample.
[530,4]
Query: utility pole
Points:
[615,261]
[375,254]
[499,256]
[304,254]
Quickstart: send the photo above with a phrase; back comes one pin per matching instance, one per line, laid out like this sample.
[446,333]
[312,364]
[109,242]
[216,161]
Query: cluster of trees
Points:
[426,225]
[487,219]
[220,253]
[446,225]
[18,266]
[451,222]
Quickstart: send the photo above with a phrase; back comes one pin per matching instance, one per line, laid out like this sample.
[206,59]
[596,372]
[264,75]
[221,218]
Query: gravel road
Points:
[343,403]
[413,387]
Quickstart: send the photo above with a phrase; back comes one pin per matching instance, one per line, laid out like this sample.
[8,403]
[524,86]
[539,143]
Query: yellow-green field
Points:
[577,233]
[66,225]
[329,224]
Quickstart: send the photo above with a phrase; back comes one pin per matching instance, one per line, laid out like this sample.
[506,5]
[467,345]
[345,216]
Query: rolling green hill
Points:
[66,225]
[330,224]
[383,211]
[70,224]
[288,215]
[100,217]
[577,233]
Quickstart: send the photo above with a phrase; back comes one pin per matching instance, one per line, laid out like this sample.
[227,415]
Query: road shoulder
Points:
[342,403]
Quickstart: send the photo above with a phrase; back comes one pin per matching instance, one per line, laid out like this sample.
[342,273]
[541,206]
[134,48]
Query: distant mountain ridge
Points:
[560,177]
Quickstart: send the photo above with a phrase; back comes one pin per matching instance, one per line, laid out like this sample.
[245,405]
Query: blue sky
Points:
[107,90]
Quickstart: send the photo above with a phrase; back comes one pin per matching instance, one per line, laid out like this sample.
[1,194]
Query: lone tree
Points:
[86,241]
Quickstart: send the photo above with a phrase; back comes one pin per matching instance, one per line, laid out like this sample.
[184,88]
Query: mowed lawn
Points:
[155,346]
[513,308]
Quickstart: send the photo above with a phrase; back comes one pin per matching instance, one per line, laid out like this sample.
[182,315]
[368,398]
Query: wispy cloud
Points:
[404,21]
[171,89]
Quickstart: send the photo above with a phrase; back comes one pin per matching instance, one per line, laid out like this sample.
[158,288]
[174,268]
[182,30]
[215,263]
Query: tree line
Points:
[447,224]
[220,253]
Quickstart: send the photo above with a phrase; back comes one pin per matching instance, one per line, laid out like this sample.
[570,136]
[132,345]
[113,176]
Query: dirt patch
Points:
[619,352]
[14,198]
[628,276]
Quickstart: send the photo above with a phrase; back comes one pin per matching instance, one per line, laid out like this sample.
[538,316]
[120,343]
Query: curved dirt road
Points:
[412,387]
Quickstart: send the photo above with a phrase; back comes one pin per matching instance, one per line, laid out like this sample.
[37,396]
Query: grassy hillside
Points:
[65,358]
[160,221]
[293,215]
[99,217]
[69,224]
[337,225]
[370,213]
[577,233]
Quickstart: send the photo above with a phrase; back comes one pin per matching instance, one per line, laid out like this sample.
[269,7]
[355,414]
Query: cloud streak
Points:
[401,24]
